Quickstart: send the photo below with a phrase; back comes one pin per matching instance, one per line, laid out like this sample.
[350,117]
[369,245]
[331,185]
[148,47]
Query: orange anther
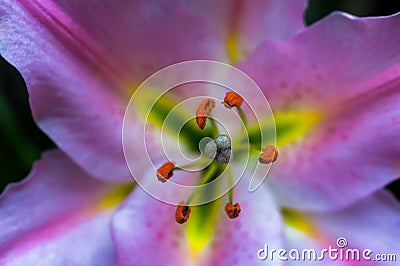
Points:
[269,155]
[182,213]
[165,172]
[232,99]
[203,111]
[232,210]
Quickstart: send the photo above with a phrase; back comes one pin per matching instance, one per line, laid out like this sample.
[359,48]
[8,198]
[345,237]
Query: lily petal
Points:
[352,94]
[243,25]
[362,222]
[238,241]
[144,231]
[54,217]
[357,227]
[81,61]
[157,238]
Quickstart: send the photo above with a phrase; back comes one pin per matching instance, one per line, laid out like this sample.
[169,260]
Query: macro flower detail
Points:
[333,90]
[220,151]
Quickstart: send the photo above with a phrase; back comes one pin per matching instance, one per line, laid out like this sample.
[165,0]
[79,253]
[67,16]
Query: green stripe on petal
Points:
[201,226]
[294,125]
[290,127]
[297,221]
[181,123]
[116,196]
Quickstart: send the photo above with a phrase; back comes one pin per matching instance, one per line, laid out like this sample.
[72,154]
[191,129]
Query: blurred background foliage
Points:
[22,142]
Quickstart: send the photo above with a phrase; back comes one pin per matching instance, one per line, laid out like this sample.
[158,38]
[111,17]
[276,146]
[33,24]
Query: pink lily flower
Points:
[334,89]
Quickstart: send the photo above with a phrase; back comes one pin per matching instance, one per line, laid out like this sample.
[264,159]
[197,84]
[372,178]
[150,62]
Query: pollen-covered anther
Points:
[232,210]
[269,155]
[203,111]
[165,172]
[232,99]
[182,213]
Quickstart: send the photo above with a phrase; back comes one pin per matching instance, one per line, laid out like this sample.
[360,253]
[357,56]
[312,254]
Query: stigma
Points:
[219,149]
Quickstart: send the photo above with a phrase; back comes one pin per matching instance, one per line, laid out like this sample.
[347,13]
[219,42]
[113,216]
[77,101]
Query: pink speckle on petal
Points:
[175,244]
[283,85]
[148,224]
[160,235]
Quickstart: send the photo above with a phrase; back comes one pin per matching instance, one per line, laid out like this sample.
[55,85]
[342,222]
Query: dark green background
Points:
[21,142]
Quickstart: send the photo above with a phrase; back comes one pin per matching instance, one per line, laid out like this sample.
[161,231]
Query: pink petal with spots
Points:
[145,231]
[82,60]
[53,217]
[348,70]
[238,241]
[371,223]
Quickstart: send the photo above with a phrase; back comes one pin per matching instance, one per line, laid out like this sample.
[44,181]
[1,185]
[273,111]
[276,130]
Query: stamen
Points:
[269,155]
[230,183]
[232,210]
[182,213]
[232,99]
[203,111]
[213,126]
[242,116]
[165,172]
